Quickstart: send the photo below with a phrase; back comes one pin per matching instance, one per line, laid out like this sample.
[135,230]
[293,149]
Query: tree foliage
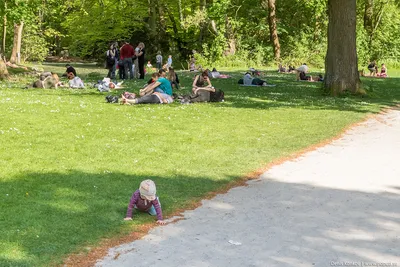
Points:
[224,32]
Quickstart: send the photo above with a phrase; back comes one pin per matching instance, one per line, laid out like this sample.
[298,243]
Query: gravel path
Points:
[336,206]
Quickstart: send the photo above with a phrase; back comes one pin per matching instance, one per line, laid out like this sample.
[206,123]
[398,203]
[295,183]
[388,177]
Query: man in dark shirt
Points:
[69,69]
[373,68]
[127,52]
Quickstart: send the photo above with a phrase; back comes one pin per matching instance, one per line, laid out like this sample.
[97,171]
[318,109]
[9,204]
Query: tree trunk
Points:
[273,29]
[16,51]
[3,50]
[152,18]
[3,70]
[19,42]
[341,58]
[230,38]
[180,11]
[368,18]
[203,4]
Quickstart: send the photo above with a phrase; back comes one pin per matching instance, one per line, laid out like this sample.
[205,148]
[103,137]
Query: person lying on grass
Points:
[48,80]
[248,80]
[153,98]
[216,74]
[145,199]
[302,76]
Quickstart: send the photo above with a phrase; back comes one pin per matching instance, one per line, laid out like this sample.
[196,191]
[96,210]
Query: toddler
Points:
[145,199]
[169,62]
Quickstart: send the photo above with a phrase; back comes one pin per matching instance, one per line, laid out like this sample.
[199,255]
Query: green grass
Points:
[70,162]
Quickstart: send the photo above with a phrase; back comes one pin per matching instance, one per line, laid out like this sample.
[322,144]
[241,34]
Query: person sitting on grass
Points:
[199,82]
[162,85]
[173,78]
[383,72]
[281,69]
[153,93]
[145,199]
[373,68]
[304,77]
[153,78]
[303,68]
[291,69]
[74,81]
[200,91]
[69,69]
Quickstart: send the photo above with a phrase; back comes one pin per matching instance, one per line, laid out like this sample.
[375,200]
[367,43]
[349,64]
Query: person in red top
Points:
[127,52]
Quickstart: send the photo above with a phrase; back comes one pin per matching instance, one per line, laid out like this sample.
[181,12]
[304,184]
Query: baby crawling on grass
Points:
[145,199]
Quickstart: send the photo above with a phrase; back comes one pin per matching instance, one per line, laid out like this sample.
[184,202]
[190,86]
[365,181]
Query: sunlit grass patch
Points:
[69,161]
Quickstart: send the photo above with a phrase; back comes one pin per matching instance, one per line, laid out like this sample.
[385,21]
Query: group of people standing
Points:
[129,61]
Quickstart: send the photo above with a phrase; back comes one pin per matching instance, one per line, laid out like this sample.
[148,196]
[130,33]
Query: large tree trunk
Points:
[273,28]
[3,70]
[341,58]
[16,51]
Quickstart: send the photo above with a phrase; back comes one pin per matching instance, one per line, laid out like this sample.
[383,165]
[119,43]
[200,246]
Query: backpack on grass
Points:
[217,96]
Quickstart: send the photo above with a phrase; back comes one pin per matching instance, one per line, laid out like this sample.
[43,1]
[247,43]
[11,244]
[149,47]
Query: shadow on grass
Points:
[47,216]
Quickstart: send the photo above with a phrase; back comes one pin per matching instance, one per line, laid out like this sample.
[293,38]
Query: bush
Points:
[34,46]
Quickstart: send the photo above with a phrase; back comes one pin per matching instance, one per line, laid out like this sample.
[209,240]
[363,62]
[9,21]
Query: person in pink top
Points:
[145,199]
[383,72]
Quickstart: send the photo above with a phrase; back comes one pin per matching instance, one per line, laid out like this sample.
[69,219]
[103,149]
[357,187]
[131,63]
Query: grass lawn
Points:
[69,161]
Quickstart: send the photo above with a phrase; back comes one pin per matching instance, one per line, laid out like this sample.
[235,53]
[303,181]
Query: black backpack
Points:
[217,96]
[110,61]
